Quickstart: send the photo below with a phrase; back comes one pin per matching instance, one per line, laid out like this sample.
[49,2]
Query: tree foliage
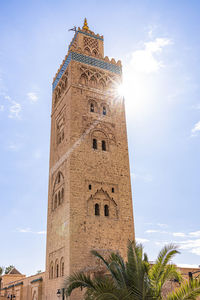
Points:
[135,279]
[8,269]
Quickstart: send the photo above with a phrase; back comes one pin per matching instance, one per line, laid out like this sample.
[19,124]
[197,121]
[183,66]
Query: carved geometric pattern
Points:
[86,60]
[61,87]
[60,125]
[58,191]
[102,198]
[91,46]
[95,78]
[95,126]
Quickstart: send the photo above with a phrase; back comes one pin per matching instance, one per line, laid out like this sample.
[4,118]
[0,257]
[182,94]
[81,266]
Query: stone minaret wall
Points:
[90,202]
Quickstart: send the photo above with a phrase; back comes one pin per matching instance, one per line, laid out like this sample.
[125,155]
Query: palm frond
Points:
[187,291]
[77,280]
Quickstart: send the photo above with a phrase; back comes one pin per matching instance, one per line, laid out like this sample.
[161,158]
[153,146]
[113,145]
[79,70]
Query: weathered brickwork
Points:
[90,152]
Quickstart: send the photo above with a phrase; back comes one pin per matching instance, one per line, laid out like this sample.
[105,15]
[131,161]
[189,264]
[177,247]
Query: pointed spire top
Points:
[85,26]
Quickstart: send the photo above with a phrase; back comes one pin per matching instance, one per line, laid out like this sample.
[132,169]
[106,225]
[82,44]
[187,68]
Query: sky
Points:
[159,44]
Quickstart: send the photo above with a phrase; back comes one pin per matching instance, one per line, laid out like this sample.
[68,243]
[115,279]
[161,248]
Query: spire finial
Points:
[85,26]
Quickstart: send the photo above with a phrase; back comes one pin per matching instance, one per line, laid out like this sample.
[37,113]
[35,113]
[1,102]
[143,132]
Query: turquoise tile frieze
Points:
[64,67]
[93,36]
[86,60]
[96,62]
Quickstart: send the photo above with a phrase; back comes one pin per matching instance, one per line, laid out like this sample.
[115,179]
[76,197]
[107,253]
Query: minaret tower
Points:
[89,201]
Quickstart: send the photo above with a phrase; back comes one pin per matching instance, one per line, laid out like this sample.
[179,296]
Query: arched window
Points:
[62,194]
[55,202]
[106,210]
[51,271]
[62,269]
[59,198]
[58,177]
[113,190]
[97,211]
[103,143]
[94,144]
[104,110]
[89,186]
[92,107]
[57,270]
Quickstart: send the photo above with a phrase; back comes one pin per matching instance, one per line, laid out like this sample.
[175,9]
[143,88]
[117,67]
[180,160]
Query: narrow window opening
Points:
[62,194]
[106,210]
[59,198]
[62,269]
[104,110]
[57,270]
[58,177]
[103,145]
[94,144]
[90,187]
[113,190]
[92,107]
[55,203]
[97,212]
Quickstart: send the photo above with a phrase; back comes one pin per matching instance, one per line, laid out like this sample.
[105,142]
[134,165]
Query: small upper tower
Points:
[89,198]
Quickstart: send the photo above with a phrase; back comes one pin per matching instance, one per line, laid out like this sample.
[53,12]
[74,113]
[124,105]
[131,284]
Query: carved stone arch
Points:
[95,52]
[102,139]
[104,109]
[62,267]
[51,270]
[95,105]
[102,199]
[56,269]
[84,79]
[87,50]
[93,81]
[58,180]
[58,190]
[34,297]
[102,83]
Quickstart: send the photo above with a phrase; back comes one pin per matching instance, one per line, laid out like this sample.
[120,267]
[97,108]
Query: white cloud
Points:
[14,147]
[195,233]
[41,232]
[152,231]
[143,177]
[141,240]
[14,110]
[162,225]
[1,107]
[32,97]
[195,129]
[24,230]
[28,230]
[146,60]
[179,234]
[192,245]
[7,98]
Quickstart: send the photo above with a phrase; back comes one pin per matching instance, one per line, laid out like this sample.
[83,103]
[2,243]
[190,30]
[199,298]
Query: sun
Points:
[121,90]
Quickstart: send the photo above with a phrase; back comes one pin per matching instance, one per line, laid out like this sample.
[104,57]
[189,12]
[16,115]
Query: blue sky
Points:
[159,45]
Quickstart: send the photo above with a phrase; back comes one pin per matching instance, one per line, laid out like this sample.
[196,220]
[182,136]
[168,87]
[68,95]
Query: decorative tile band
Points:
[64,67]
[96,62]
[93,36]
[89,61]
[38,279]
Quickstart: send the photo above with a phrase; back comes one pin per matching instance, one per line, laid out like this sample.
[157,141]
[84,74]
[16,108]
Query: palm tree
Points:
[134,280]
